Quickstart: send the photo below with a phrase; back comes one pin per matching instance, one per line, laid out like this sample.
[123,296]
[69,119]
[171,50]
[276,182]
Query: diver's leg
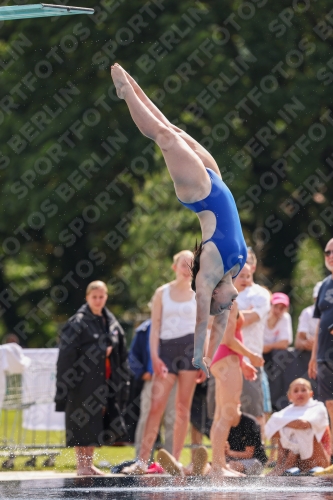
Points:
[187,171]
[203,154]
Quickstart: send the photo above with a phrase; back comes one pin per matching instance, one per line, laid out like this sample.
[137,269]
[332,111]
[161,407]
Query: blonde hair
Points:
[188,253]
[96,284]
[301,381]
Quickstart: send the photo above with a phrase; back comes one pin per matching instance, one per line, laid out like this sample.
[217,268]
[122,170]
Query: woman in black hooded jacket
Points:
[92,378]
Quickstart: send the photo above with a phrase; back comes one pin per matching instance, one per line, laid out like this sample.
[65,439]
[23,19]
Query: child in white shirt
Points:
[302,430]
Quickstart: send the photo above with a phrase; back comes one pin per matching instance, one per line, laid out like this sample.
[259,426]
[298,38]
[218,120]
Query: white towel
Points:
[313,412]
[299,441]
[12,361]
[39,385]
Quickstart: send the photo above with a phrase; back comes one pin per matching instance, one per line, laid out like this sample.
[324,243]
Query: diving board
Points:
[40,10]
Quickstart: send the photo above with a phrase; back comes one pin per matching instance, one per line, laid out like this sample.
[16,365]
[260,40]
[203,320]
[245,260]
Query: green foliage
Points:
[205,80]
[307,272]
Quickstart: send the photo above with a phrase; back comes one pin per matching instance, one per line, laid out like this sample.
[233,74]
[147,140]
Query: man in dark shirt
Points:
[321,362]
[244,449]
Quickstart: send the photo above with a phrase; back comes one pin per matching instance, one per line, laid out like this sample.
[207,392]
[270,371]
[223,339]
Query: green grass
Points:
[12,433]
[65,462]
[10,429]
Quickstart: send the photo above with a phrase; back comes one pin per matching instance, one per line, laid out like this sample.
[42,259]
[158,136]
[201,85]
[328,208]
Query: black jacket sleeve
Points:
[125,367]
[67,376]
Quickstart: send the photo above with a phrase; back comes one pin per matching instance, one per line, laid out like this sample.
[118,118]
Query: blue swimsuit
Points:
[228,236]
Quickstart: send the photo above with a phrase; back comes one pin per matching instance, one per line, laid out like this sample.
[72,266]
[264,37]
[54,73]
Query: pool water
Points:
[164,488]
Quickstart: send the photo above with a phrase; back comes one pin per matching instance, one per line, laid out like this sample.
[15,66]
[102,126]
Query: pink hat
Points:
[280,298]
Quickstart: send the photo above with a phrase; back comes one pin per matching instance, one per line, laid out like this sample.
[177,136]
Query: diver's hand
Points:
[202,364]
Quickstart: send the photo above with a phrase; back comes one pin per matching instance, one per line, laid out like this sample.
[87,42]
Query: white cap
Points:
[316,289]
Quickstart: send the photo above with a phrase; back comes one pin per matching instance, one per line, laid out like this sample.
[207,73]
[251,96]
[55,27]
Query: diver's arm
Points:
[219,325]
[204,292]
[210,274]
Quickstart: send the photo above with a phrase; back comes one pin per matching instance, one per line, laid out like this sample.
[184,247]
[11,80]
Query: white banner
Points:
[38,391]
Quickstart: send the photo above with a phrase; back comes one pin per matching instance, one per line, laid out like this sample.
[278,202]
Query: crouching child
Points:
[302,430]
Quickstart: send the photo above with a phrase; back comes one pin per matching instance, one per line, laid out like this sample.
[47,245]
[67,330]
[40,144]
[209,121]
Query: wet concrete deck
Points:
[116,487]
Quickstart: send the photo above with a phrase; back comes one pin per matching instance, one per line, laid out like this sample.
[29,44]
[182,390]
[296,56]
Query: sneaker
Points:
[137,469]
[117,469]
[293,471]
[312,471]
[169,463]
[328,471]
[200,461]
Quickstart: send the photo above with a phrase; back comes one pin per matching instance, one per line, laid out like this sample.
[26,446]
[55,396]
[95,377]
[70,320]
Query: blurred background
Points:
[85,196]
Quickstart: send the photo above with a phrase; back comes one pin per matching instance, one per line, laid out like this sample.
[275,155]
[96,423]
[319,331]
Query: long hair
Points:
[196,263]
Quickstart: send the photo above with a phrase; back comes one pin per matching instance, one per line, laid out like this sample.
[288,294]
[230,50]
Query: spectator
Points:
[254,303]
[141,365]
[244,451]
[307,324]
[228,365]
[302,431]
[92,378]
[11,338]
[321,362]
[171,350]
[278,333]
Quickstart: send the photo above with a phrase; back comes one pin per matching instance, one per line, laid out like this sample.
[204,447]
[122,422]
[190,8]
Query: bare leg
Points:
[169,419]
[84,457]
[203,154]
[319,457]
[285,460]
[291,460]
[145,398]
[160,393]
[196,439]
[184,396]
[229,381]
[187,171]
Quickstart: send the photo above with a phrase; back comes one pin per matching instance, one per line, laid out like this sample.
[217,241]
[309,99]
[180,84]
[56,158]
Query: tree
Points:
[249,81]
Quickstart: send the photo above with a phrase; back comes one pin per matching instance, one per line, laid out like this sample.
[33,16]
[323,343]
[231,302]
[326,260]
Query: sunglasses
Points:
[328,252]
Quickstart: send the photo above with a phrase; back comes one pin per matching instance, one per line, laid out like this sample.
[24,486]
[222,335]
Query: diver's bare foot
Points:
[90,471]
[131,80]
[120,80]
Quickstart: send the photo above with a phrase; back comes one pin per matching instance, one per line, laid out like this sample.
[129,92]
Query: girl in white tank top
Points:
[171,350]
[178,318]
